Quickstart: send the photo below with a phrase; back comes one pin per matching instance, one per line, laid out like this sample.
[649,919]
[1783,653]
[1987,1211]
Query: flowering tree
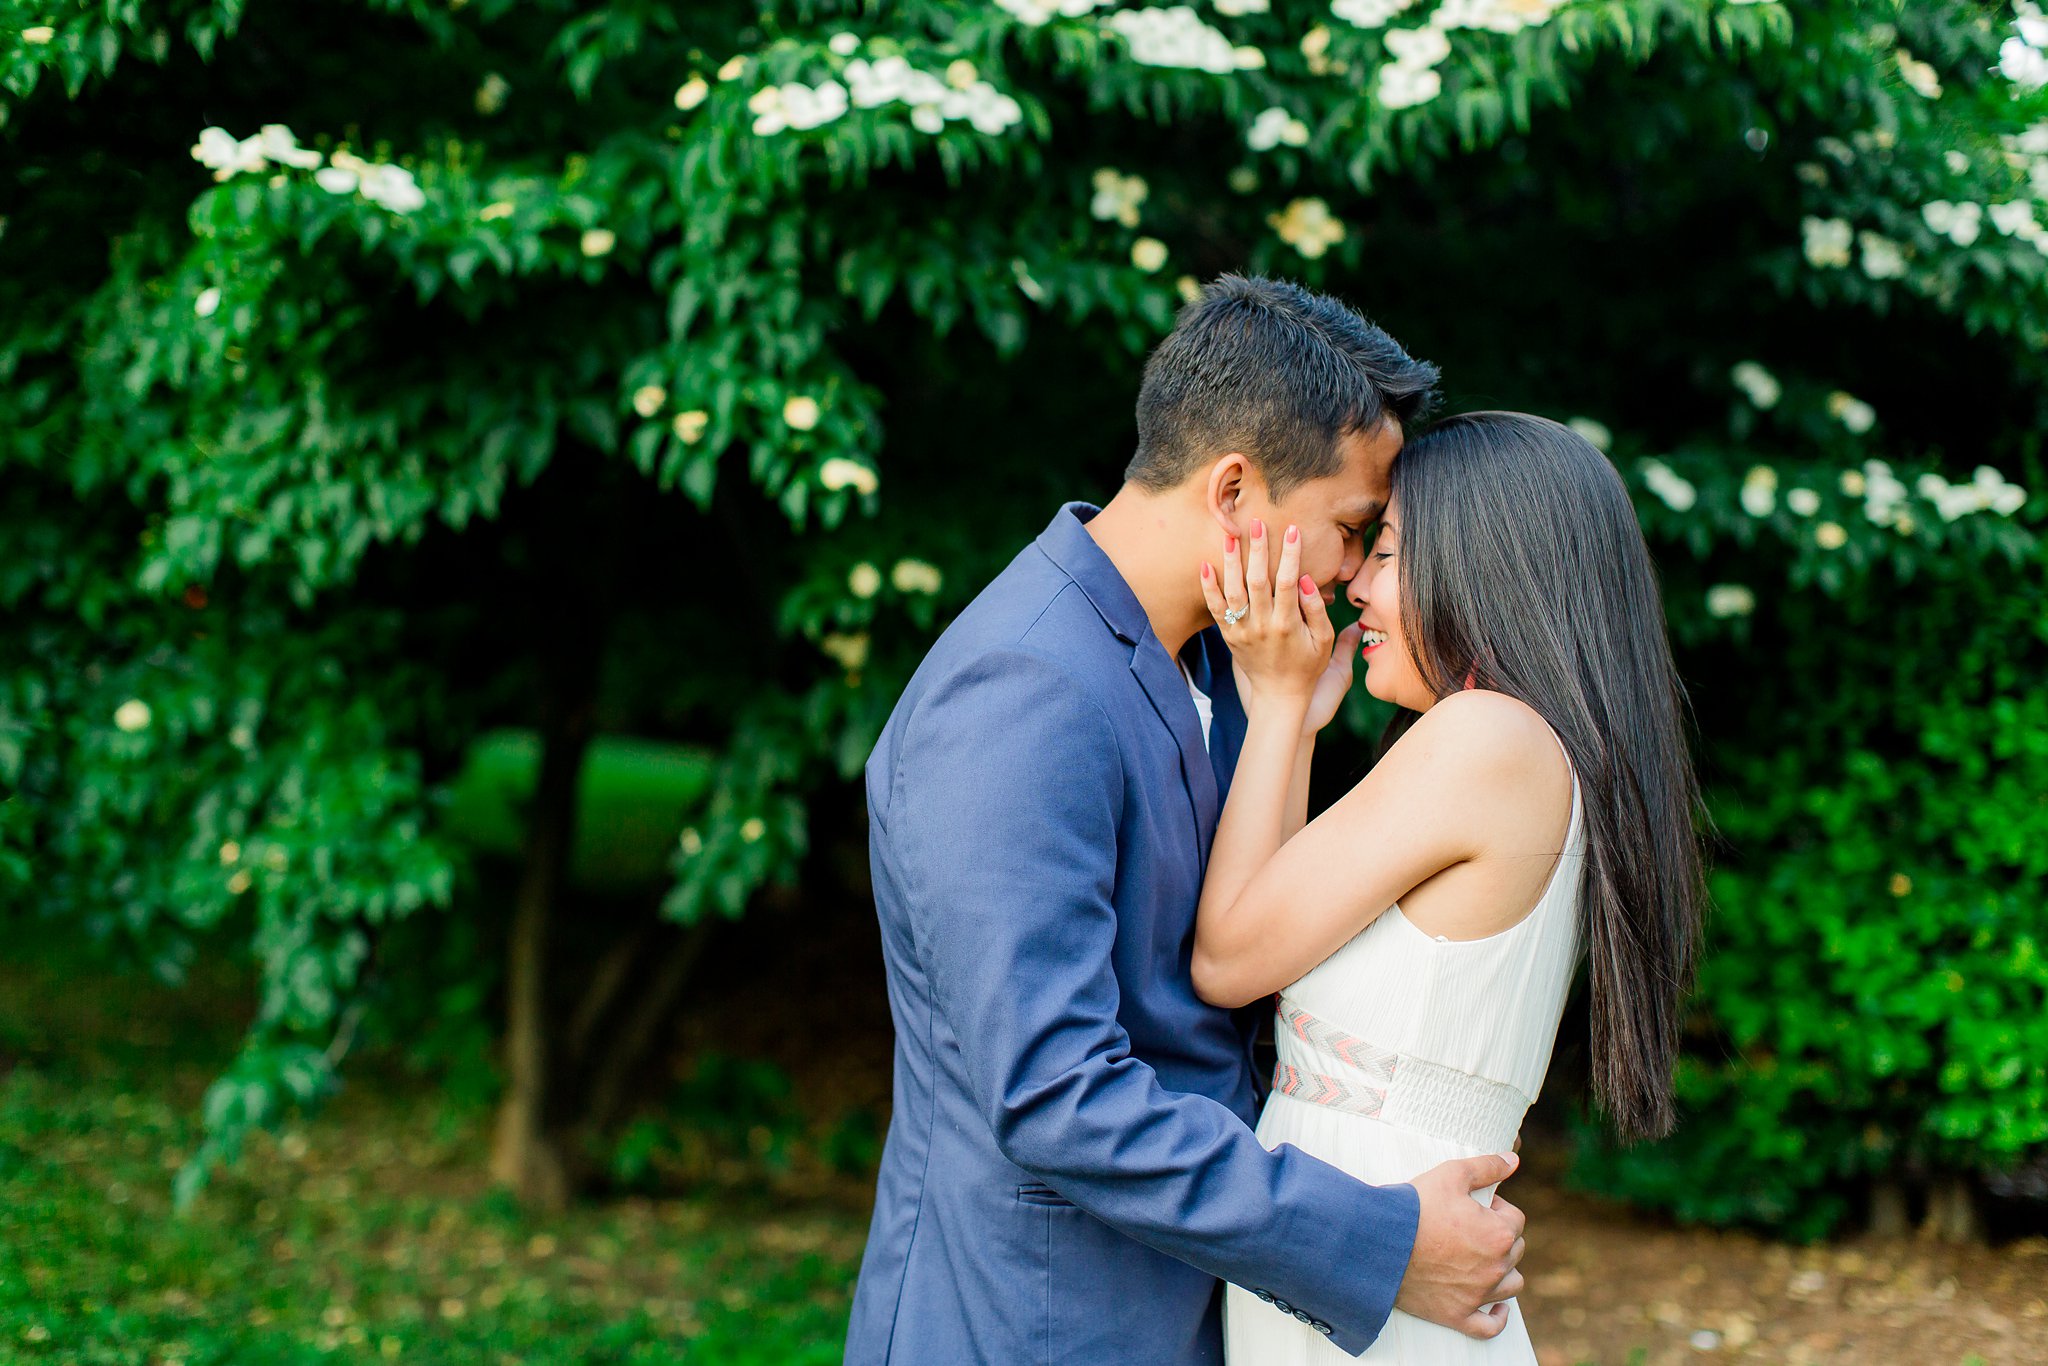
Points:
[673,369]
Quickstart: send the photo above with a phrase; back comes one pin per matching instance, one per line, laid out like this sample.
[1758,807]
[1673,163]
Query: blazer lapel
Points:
[1168,690]
[1066,543]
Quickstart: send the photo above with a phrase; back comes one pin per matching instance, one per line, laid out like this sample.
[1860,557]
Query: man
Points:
[1069,1168]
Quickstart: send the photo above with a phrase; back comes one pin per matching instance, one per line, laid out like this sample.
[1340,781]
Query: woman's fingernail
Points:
[1207,573]
[1293,534]
[1258,529]
[1230,545]
[1308,586]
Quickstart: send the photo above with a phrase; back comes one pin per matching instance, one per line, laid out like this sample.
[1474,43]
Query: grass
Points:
[367,1233]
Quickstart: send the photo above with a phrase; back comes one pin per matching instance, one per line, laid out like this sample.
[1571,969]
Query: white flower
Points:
[1960,223]
[1595,433]
[391,186]
[850,650]
[691,843]
[840,473]
[916,576]
[1759,491]
[1148,254]
[1404,87]
[1273,127]
[1117,197]
[1237,9]
[1830,536]
[1308,226]
[1315,49]
[38,35]
[1250,58]
[207,302]
[1882,258]
[864,581]
[1805,502]
[926,118]
[230,854]
[1495,16]
[1174,37]
[1759,384]
[1852,483]
[960,74]
[1368,13]
[1827,241]
[1730,600]
[648,398]
[1189,289]
[1919,75]
[1670,487]
[336,180]
[226,155]
[689,426]
[2025,65]
[734,68]
[801,412]
[496,209]
[692,93]
[1418,47]
[1026,284]
[132,715]
[276,142]
[844,44]
[753,829]
[2016,220]
[1853,413]
[598,241]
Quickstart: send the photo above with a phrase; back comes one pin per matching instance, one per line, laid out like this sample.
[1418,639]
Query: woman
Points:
[1422,932]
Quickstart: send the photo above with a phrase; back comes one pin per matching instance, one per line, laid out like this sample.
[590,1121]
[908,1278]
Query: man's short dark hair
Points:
[1274,371]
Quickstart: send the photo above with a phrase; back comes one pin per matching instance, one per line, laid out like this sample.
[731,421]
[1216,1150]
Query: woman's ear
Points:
[1227,478]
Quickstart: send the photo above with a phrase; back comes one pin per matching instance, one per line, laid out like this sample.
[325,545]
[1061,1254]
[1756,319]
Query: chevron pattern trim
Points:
[1317,1089]
[1377,1065]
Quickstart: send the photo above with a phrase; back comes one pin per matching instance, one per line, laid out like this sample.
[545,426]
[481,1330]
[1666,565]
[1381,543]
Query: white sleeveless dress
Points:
[1400,1051]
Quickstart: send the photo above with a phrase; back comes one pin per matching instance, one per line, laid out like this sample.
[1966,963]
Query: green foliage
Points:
[562,336]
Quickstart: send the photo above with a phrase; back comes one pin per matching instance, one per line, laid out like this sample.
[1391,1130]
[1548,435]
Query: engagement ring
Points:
[1235,615]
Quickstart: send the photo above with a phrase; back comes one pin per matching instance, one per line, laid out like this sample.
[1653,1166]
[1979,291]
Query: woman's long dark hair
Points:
[1522,566]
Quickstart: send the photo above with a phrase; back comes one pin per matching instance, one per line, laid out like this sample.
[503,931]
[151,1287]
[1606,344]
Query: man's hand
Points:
[1465,1253]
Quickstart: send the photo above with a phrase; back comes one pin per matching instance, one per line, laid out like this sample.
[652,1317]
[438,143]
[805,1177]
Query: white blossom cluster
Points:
[1827,243]
[933,100]
[1117,197]
[1368,13]
[1412,78]
[1987,491]
[1308,226]
[393,187]
[1759,385]
[796,106]
[1726,600]
[1856,416]
[1495,16]
[1759,492]
[2023,58]
[1961,223]
[1273,127]
[1237,9]
[1672,488]
[1921,76]
[1177,37]
[1037,12]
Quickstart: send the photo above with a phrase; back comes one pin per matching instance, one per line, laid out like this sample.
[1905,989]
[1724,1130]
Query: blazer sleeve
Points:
[1004,806]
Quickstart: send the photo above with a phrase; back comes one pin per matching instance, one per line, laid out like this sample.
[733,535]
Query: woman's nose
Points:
[1354,592]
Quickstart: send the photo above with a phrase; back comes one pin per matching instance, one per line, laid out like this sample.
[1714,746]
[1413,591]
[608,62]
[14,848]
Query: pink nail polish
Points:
[1230,545]
[1293,534]
[1258,529]
[1308,586]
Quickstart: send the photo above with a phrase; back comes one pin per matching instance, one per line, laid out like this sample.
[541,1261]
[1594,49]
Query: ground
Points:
[368,1233]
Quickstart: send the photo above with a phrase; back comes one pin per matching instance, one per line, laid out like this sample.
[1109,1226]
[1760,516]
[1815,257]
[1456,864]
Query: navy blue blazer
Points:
[1070,1164]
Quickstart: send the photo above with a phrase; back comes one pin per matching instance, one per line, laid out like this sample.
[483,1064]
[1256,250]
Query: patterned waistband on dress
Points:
[1398,1088]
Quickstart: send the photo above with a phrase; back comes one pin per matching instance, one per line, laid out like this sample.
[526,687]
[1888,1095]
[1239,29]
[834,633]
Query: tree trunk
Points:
[1952,1213]
[1888,1217]
[526,1153]
[626,1048]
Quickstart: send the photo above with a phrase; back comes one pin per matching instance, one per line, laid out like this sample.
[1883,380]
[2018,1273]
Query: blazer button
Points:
[1304,1316]
[1265,1295]
[1321,1327]
[1283,1306]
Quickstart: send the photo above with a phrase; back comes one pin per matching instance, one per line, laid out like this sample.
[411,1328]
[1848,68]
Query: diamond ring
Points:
[1234,615]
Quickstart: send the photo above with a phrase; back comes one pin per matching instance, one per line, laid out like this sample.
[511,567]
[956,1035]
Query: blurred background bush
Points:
[475,476]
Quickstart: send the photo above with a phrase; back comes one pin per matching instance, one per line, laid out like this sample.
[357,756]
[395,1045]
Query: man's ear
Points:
[1228,478]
